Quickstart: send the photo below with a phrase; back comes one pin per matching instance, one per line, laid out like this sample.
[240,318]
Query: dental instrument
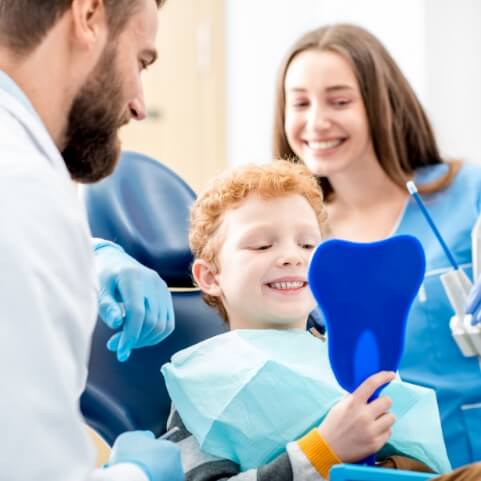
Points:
[472,318]
[413,191]
[476,249]
[456,284]
[169,433]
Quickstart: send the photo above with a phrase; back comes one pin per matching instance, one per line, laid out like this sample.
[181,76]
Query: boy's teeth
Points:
[287,285]
[328,144]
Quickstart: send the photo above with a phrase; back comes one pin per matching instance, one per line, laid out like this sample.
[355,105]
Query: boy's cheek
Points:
[312,302]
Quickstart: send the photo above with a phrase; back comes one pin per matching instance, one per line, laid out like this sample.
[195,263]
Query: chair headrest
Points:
[144,207]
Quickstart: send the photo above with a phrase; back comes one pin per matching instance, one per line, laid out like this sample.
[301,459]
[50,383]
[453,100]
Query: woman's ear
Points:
[205,275]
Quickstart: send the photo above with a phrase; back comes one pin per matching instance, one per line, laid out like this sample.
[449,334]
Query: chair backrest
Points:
[144,207]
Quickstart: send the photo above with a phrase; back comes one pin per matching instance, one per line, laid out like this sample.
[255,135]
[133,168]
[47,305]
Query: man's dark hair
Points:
[24,23]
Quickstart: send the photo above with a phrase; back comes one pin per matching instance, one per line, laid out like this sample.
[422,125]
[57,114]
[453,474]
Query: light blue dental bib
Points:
[245,394]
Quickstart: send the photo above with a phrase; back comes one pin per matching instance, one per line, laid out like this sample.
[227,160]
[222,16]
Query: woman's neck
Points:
[366,205]
[365,187]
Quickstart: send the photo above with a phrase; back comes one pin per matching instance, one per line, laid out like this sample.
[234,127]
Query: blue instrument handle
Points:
[369,461]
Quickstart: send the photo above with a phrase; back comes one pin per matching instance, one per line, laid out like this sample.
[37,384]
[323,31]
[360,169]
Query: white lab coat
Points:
[48,308]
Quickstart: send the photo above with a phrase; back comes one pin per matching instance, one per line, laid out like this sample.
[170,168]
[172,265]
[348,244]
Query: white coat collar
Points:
[10,86]
[35,128]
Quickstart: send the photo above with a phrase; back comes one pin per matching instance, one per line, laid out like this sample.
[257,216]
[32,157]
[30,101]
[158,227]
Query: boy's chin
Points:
[274,318]
[286,323]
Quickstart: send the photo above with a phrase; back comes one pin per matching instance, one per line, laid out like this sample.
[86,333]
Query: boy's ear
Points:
[205,276]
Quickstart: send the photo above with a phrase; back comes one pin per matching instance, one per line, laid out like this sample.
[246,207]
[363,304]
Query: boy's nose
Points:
[291,258]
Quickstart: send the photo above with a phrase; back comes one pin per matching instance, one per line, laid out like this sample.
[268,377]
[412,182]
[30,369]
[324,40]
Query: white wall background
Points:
[437,44]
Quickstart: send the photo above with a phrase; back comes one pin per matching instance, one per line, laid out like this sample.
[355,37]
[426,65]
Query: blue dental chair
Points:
[144,207]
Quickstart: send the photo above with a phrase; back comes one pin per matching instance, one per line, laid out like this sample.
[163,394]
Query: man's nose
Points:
[137,109]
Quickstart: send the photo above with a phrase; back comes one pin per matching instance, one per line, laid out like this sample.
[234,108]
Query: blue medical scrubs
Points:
[431,356]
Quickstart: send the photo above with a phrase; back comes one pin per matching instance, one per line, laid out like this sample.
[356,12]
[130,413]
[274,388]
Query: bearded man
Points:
[69,78]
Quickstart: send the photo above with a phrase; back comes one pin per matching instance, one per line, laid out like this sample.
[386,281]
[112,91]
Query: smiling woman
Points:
[349,60]
[326,122]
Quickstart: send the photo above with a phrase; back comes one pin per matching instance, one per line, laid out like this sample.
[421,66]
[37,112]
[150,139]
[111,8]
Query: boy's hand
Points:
[355,429]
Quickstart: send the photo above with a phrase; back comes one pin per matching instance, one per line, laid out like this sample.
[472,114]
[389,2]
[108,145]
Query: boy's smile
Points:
[287,285]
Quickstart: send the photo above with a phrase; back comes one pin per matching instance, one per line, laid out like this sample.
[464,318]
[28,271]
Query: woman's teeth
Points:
[324,145]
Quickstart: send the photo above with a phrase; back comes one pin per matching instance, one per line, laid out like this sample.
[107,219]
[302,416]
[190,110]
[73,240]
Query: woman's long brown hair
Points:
[401,134]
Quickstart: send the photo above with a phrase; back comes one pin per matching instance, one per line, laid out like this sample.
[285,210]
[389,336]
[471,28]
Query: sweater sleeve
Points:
[308,459]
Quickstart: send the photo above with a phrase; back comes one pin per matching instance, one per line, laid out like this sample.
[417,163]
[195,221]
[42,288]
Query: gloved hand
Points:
[159,459]
[473,303]
[133,298]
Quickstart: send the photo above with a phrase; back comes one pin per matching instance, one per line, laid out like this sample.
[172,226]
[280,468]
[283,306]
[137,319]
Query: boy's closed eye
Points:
[309,241]
[260,247]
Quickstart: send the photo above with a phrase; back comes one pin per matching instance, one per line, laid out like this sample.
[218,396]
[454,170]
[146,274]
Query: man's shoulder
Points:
[25,142]
[22,160]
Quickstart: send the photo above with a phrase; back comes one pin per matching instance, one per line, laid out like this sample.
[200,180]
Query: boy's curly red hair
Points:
[226,191]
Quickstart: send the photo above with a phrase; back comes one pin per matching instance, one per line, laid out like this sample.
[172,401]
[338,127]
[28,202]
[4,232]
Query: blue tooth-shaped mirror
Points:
[365,292]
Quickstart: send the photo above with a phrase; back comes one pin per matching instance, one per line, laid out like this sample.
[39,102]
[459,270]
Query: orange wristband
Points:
[319,453]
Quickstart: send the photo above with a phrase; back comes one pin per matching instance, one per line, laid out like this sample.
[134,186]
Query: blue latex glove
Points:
[132,298]
[473,303]
[159,459]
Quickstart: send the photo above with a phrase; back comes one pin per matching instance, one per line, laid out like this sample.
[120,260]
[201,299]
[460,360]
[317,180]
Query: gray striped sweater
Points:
[293,465]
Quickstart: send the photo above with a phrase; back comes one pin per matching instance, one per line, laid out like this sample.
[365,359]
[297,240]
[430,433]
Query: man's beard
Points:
[92,146]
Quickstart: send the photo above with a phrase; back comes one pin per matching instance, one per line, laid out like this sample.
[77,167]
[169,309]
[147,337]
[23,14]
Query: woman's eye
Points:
[308,246]
[341,102]
[297,104]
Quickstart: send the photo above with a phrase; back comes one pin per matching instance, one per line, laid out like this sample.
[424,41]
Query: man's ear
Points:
[205,275]
[89,21]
